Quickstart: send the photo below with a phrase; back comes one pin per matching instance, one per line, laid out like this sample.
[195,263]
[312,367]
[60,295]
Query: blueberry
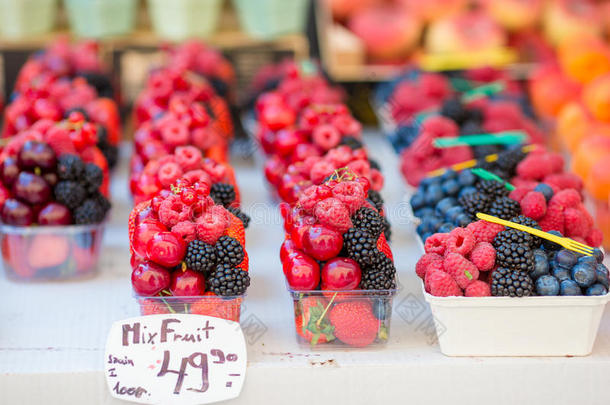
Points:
[417,201]
[449,174]
[601,272]
[429,224]
[545,189]
[446,228]
[467,190]
[453,212]
[425,236]
[569,287]
[566,258]
[433,195]
[588,259]
[560,273]
[429,181]
[541,264]
[597,289]
[462,220]
[599,255]
[444,204]
[548,245]
[381,309]
[450,187]
[421,229]
[583,274]
[547,285]
[424,212]
[466,178]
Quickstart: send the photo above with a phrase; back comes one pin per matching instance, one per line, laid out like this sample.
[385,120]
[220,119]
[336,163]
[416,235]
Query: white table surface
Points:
[52,335]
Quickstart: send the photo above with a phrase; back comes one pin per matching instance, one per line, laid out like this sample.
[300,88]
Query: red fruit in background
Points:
[14,212]
[286,141]
[277,116]
[287,185]
[341,273]
[9,171]
[54,214]
[326,136]
[149,278]
[302,272]
[174,133]
[322,243]
[31,188]
[48,251]
[166,249]
[187,283]
[143,233]
[303,151]
[169,173]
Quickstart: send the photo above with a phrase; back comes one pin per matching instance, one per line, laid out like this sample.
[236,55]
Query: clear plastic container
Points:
[101,18]
[320,305]
[228,308]
[181,19]
[51,253]
[271,18]
[22,18]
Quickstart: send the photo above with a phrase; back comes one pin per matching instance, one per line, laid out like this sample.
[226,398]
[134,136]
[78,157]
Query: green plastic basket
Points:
[22,18]
[181,19]
[101,18]
[270,18]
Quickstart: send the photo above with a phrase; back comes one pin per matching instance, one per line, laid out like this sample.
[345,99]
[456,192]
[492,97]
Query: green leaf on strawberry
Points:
[318,324]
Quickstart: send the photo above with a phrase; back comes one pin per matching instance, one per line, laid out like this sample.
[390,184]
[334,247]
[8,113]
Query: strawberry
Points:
[236,230]
[383,247]
[152,307]
[212,305]
[12,253]
[48,251]
[85,258]
[309,322]
[245,263]
[355,323]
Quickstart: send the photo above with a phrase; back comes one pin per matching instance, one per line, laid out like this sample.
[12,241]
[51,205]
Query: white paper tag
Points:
[175,359]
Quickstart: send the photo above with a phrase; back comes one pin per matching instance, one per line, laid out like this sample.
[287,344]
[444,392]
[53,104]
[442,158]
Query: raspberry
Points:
[360,167]
[174,133]
[377,179]
[533,205]
[320,171]
[425,261]
[575,223]
[565,180]
[568,198]
[434,266]
[188,157]
[197,176]
[172,210]
[463,271]
[441,284]
[186,230]
[553,220]
[312,195]
[334,213]
[460,240]
[483,256]
[436,243]
[534,167]
[213,224]
[595,238]
[169,173]
[484,231]
[339,156]
[350,193]
[326,136]
[519,193]
[478,289]
[59,140]
[556,162]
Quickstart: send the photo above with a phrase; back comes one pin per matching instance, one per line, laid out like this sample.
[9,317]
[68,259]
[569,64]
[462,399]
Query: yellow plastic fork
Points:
[565,242]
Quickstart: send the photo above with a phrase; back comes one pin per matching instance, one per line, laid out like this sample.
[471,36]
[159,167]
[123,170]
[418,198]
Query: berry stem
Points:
[326,309]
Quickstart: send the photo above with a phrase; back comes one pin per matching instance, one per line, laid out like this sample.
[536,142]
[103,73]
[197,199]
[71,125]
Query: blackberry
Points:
[385,265]
[471,128]
[101,82]
[90,212]
[243,217]
[375,198]
[200,256]
[70,167]
[387,229]
[474,202]
[454,110]
[374,165]
[93,177]
[505,208]
[77,109]
[377,280]
[360,246]
[523,220]
[229,250]
[351,141]
[515,257]
[101,200]
[492,188]
[70,193]
[110,152]
[484,150]
[222,193]
[228,281]
[508,236]
[510,283]
[509,159]
[369,220]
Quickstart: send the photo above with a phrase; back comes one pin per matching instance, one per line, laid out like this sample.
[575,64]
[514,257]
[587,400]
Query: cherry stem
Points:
[326,309]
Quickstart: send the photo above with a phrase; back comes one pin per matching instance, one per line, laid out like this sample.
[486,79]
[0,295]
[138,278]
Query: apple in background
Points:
[565,19]
[584,58]
[343,9]
[431,10]
[514,15]
[388,32]
[550,90]
[466,32]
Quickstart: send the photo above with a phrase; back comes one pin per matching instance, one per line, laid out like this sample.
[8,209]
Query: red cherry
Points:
[277,116]
[322,243]
[9,170]
[143,233]
[188,196]
[149,279]
[299,228]
[274,169]
[287,249]
[166,249]
[303,151]
[54,214]
[302,272]
[341,273]
[286,141]
[31,188]
[136,260]
[187,283]
[14,212]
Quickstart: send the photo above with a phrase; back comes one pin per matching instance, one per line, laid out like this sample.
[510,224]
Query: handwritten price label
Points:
[175,359]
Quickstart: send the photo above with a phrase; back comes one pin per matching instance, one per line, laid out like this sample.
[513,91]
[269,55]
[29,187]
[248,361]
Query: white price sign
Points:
[175,359]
